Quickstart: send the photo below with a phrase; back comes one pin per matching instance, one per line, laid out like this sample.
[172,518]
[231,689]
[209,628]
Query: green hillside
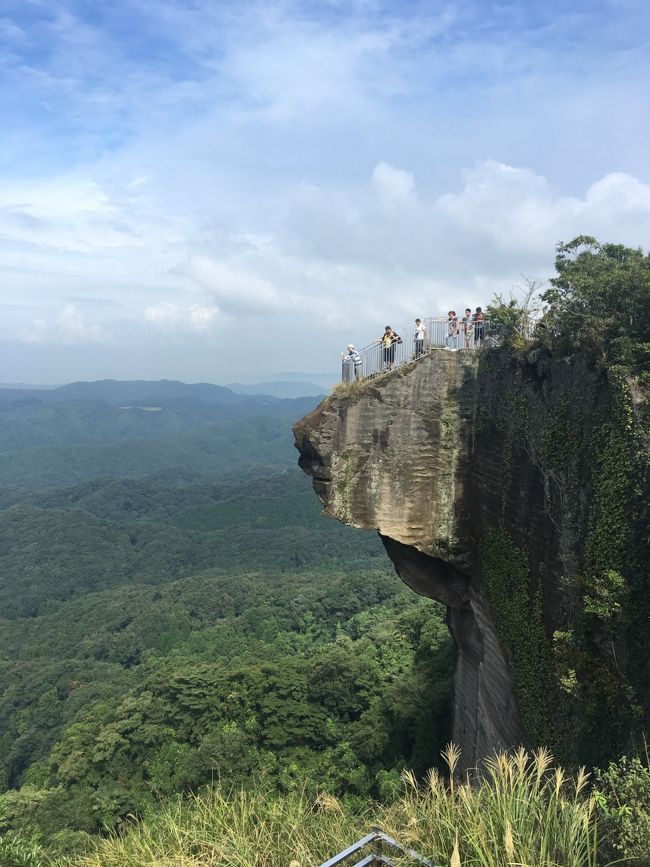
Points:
[70,435]
[175,609]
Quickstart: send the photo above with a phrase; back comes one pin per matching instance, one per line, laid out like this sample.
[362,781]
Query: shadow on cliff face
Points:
[397,458]
[506,486]
[428,576]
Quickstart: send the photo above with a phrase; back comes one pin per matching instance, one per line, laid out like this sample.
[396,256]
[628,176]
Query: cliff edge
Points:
[513,489]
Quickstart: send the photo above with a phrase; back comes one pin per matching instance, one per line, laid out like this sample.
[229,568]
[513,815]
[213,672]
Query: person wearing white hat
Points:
[351,356]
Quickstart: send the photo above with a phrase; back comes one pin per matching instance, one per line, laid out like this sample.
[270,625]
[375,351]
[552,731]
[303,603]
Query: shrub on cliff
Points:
[599,301]
[622,793]
[512,320]
[17,852]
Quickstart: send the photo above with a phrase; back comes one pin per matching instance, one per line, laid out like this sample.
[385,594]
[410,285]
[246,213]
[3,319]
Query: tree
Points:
[513,320]
[599,300]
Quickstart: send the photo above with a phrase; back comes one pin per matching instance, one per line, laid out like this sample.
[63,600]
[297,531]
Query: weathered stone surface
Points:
[393,458]
[396,458]
[463,460]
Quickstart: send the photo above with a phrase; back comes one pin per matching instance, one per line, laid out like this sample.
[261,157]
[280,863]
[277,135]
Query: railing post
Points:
[374,358]
[377,844]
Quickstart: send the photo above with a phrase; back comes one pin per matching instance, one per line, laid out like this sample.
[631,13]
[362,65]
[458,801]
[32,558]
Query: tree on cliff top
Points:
[600,300]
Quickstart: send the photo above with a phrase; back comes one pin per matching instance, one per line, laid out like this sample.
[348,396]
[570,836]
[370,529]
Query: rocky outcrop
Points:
[483,474]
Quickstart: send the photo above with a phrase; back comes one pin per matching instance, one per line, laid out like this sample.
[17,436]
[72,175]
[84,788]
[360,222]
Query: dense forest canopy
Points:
[175,610]
[177,617]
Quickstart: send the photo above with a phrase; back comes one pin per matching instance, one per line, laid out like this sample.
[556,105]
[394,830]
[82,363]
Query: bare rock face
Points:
[397,458]
[391,459]
[477,471]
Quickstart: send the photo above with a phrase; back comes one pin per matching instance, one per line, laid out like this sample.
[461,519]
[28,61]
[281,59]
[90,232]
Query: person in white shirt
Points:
[420,337]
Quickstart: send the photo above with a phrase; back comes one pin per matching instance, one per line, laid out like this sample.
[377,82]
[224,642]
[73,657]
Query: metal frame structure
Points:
[378,842]
[377,359]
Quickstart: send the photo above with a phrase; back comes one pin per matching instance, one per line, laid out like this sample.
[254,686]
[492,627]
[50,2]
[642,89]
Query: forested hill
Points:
[174,609]
[177,432]
[141,392]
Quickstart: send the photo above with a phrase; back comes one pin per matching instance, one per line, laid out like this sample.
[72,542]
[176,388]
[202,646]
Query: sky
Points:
[205,191]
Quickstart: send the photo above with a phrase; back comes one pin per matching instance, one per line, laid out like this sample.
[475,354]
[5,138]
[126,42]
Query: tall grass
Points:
[518,812]
[245,829]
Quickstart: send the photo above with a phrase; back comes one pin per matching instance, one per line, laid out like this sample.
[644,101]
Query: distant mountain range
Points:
[164,392]
[325,380]
[280,388]
[76,432]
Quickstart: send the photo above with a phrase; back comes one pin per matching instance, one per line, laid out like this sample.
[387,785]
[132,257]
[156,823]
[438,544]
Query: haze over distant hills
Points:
[133,429]
[281,388]
[282,385]
[325,379]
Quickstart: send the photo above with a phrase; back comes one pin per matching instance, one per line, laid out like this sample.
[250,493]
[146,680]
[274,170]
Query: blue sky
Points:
[204,190]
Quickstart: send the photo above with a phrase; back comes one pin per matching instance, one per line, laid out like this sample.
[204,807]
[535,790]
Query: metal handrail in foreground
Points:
[377,841]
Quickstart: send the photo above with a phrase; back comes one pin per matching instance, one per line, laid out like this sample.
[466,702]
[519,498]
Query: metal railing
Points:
[377,358]
[379,844]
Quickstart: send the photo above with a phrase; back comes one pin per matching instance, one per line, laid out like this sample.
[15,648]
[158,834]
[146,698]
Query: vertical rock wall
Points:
[478,472]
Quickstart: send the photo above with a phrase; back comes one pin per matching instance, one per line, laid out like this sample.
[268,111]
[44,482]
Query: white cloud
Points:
[61,198]
[68,328]
[69,213]
[306,166]
[236,289]
[194,318]
[621,191]
[395,186]
[515,211]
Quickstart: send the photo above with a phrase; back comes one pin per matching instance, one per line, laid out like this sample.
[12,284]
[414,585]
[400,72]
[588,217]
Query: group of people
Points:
[467,332]
[470,329]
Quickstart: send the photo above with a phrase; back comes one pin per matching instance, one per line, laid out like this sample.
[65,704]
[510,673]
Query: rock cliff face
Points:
[492,480]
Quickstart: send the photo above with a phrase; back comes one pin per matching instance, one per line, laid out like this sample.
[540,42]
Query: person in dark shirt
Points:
[479,327]
[388,340]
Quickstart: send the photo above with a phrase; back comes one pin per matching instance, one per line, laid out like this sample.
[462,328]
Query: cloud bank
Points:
[183,178]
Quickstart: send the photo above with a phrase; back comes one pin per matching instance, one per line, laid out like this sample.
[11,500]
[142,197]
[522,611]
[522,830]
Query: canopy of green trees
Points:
[162,630]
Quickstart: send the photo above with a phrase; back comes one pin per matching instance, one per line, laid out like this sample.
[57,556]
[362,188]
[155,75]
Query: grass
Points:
[350,389]
[518,812]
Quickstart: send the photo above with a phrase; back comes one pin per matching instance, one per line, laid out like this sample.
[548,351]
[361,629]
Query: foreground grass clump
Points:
[245,829]
[519,812]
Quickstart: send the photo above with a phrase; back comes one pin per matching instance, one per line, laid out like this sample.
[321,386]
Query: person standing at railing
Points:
[388,340]
[420,337]
[352,357]
[467,327]
[452,331]
[479,327]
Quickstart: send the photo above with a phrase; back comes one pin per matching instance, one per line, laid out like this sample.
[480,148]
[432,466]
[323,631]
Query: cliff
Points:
[513,489]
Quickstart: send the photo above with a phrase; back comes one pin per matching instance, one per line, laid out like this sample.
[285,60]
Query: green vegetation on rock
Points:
[518,618]
[572,404]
